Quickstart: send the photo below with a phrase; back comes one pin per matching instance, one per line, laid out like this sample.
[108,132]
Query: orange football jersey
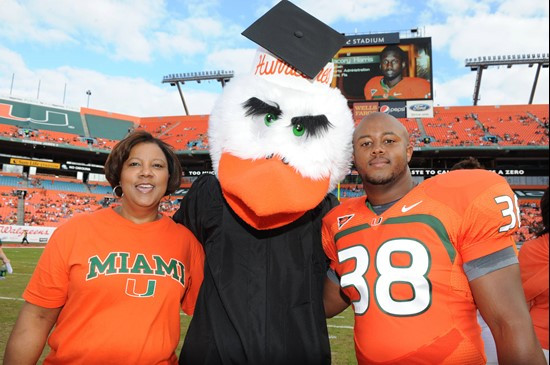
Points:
[407,88]
[403,272]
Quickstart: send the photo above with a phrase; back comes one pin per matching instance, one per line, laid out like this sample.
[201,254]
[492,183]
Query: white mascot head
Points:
[280,140]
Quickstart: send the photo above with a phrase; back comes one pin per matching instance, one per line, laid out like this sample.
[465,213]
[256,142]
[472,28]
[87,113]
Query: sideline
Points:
[10,298]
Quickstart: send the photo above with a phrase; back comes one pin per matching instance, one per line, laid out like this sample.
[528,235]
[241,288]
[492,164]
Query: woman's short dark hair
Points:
[121,152]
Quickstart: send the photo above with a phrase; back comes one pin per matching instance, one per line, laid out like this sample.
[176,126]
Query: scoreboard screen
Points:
[366,72]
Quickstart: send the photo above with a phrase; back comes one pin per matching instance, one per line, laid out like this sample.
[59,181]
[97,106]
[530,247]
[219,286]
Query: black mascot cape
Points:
[280,140]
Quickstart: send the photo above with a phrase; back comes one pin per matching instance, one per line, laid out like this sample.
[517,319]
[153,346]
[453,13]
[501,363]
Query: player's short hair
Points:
[395,49]
[120,153]
[467,163]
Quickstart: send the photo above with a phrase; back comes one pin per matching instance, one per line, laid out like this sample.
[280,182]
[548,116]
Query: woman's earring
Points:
[115,192]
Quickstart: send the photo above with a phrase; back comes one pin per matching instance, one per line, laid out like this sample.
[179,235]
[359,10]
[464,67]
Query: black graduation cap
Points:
[296,37]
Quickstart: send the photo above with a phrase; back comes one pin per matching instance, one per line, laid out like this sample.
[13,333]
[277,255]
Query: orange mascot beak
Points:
[267,193]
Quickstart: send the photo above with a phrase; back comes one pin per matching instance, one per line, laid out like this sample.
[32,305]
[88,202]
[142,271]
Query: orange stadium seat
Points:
[454,126]
[182,133]
[8,131]
[514,125]
[52,206]
[412,127]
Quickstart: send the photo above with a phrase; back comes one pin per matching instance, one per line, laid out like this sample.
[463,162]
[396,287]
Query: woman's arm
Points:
[29,334]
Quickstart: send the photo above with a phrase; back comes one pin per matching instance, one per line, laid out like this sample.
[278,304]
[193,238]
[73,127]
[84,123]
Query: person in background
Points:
[113,281]
[392,84]
[24,239]
[533,263]
[417,261]
[488,340]
[6,267]
[467,163]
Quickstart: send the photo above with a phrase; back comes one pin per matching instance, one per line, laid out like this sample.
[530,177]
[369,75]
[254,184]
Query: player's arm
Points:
[334,300]
[3,256]
[500,300]
[29,334]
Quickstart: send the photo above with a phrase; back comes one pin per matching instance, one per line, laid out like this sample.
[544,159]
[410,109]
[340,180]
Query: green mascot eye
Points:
[298,130]
[269,119]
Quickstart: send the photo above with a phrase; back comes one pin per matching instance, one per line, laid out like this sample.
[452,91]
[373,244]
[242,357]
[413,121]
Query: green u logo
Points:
[131,288]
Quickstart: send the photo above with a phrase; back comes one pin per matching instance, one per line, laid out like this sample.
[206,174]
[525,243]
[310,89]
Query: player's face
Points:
[381,152]
[144,177]
[391,65]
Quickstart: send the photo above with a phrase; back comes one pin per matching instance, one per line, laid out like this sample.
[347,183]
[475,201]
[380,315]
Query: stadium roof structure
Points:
[180,78]
[480,63]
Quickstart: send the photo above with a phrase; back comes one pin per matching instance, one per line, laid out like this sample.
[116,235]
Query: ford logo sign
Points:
[419,107]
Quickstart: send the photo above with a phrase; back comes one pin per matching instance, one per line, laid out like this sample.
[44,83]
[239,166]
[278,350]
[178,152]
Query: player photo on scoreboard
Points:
[397,71]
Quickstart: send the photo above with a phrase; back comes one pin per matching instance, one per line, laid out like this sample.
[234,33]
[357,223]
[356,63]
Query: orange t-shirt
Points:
[121,286]
[403,272]
[407,88]
[533,263]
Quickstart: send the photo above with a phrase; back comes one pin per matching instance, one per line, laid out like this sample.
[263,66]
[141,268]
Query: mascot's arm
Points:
[329,202]
[334,300]
[201,206]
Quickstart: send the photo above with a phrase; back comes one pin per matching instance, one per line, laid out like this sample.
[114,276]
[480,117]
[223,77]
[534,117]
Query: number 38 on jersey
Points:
[410,273]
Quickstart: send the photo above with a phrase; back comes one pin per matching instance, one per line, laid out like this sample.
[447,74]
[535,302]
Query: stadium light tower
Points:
[88,92]
[480,63]
[176,79]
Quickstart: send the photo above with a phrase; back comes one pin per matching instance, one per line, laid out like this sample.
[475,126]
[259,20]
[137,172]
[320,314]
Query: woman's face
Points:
[144,178]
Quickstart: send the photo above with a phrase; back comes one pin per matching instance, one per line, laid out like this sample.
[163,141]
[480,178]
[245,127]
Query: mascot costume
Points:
[280,141]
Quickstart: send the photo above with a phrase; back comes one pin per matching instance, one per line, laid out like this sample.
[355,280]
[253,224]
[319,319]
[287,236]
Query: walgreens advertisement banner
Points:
[9,233]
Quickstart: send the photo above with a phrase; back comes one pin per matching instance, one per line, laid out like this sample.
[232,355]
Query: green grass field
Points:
[24,260]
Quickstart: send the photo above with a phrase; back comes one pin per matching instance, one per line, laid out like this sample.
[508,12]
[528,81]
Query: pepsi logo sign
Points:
[386,109]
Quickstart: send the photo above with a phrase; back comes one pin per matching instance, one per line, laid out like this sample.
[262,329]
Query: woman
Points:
[113,281]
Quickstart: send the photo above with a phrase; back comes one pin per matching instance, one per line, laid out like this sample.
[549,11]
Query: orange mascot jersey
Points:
[407,88]
[403,272]
[122,286]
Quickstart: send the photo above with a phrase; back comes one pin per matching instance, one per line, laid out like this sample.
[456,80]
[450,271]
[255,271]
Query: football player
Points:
[416,261]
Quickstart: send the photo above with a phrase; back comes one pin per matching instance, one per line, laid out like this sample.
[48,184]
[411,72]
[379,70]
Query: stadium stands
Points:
[52,199]
[464,126]
[454,127]
[100,188]
[514,125]
[531,220]
[458,126]
[182,133]
[11,180]
[414,130]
